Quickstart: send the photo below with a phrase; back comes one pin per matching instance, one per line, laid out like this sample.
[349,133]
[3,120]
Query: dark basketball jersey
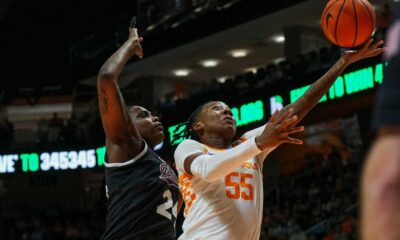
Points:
[387,108]
[142,198]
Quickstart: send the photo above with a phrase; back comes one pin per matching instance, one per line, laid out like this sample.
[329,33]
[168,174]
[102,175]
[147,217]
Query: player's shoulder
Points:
[186,148]
[189,143]
[239,141]
[189,146]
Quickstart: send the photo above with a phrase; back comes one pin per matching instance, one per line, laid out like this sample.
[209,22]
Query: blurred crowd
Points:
[82,129]
[319,202]
[267,77]
[6,133]
[23,223]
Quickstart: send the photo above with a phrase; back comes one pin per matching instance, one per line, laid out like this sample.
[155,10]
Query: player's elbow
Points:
[105,77]
[206,169]
[211,175]
[210,178]
[106,82]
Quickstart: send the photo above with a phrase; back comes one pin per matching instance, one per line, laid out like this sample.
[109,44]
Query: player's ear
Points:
[198,127]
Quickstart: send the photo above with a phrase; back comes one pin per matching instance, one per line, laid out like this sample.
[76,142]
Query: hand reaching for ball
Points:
[367,51]
[278,129]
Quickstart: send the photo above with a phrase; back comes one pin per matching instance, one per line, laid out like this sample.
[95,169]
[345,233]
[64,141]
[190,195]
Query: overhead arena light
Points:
[175,25]
[209,63]
[239,53]
[251,69]
[228,5]
[278,38]
[151,27]
[199,9]
[222,79]
[181,72]
[278,60]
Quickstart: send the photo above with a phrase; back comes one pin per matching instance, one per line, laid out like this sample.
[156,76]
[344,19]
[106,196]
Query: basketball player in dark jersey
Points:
[142,189]
[381,176]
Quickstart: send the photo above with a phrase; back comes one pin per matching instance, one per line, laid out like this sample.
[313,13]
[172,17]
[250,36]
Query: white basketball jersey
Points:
[229,208]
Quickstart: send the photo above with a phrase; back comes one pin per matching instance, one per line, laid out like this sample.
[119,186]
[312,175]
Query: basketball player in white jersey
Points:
[221,180]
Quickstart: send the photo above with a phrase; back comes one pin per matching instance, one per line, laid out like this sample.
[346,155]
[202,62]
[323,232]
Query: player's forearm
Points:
[212,168]
[115,118]
[113,67]
[312,96]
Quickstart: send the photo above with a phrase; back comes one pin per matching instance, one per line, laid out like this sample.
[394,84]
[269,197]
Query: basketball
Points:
[348,23]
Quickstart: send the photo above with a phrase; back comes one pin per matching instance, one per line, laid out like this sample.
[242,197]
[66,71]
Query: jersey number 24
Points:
[162,209]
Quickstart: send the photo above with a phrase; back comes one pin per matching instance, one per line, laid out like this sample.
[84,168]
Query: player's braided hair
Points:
[187,131]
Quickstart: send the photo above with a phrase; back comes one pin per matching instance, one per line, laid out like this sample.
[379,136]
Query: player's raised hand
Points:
[278,129]
[366,51]
[136,40]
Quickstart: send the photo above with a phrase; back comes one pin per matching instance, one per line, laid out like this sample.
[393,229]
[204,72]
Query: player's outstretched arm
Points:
[190,155]
[312,96]
[117,125]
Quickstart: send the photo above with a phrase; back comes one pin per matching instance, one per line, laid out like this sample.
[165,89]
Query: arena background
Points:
[255,55]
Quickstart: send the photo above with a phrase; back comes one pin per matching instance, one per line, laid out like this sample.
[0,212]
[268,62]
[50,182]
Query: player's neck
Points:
[216,141]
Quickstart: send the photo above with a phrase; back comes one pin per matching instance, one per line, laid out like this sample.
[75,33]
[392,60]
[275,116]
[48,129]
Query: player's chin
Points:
[154,137]
[229,129]
[159,137]
[230,126]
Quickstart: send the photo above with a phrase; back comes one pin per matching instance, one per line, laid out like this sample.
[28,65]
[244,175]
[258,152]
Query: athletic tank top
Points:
[142,198]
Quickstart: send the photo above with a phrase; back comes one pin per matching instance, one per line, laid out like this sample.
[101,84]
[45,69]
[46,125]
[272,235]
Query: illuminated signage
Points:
[7,163]
[350,83]
[174,131]
[46,161]
[276,103]
[249,113]
[345,85]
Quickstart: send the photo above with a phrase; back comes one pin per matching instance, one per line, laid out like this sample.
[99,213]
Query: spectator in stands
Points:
[69,132]
[54,128]
[309,201]
[299,66]
[312,61]
[169,101]
[42,131]
[273,73]
[84,126]
[38,231]
[349,224]
[298,234]
[6,134]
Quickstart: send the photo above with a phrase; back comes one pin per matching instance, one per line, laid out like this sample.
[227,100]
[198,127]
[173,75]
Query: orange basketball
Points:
[348,23]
